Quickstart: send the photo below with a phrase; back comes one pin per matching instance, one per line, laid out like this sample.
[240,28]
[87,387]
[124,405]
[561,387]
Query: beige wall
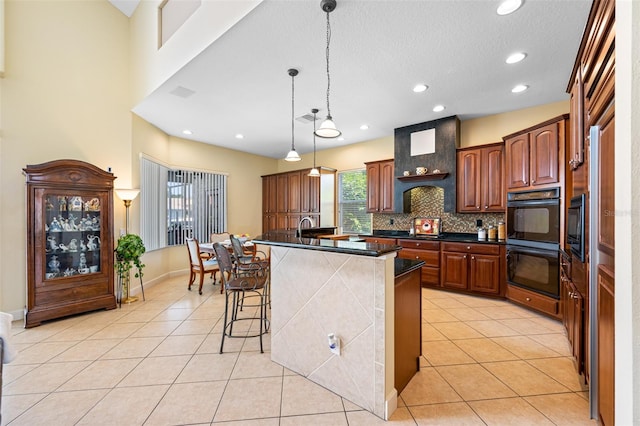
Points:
[64,95]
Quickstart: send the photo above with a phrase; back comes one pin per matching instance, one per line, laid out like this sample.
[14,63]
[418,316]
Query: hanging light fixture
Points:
[292,155]
[328,127]
[314,172]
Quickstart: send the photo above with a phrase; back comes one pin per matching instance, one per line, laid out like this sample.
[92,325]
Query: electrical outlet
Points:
[479,223]
[390,221]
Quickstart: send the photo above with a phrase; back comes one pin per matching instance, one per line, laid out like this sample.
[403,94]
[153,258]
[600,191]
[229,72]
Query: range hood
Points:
[441,156]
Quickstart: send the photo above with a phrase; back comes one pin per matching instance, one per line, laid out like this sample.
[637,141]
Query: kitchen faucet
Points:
[299,234]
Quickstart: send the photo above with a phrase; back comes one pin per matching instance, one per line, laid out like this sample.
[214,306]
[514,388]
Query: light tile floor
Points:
[485,362]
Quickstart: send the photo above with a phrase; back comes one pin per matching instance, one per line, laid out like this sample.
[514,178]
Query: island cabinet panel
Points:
[407,327]
[69,240]
[476,268]
[427,251]
[480,176]
[535,156]
[380,186]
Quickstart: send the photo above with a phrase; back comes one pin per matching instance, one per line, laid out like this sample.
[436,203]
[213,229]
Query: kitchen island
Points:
[319,287]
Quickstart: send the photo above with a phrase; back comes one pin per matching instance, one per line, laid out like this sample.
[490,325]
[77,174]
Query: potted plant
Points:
[128,251]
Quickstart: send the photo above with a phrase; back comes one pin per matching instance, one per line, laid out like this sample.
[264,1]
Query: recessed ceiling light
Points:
[239,136]
[419,88]
[516,57]
[341,138]
[187,132]
[438,108]
[364,127]
[508,6]
[520,88]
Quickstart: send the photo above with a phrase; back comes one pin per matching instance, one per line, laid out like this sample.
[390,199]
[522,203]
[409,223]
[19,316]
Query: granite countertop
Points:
[402,266]
[336,246]
[454,237]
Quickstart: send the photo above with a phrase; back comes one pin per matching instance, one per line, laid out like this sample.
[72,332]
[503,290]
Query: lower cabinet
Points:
[407,327]
[478,268]
[427,251]
[533,300]
[572,304]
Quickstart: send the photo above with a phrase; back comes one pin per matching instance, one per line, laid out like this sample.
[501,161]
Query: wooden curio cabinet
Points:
[69,240]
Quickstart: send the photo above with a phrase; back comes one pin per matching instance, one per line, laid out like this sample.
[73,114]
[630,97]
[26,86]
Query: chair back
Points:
[219,237]
[224,259]
[238,251]
[194,251]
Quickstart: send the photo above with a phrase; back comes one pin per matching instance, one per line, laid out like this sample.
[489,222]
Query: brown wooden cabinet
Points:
[533,300]
[407,327]
[480,179]
[535,156]
[427,251]
[288,197]
[69,240]
[380,186]
[576,122]
[478,268]
[572,310]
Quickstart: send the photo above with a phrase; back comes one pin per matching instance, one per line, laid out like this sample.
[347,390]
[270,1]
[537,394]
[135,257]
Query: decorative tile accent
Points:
[428,201]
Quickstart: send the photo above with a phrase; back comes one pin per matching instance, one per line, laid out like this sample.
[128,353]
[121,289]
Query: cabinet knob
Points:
[486,207]
[533,181]
[417,257]
[478,207]
[464,257]
[528,299]
[473,258]
[526,183]
[468,247]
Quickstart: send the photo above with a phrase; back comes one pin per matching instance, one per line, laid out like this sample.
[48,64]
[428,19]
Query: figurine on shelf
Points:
[83,246]
[53,244]
[95,223]
[92,245]
[48,204]
[83,261]
[75,204]
[69,272]
[54,264]
[92,205]
[66,226]
[72,222]
[73,245]
[62,204]
[63,247]
[55,226]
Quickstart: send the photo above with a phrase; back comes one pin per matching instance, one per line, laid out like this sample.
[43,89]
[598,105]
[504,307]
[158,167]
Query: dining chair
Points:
[252,280]
[198,265]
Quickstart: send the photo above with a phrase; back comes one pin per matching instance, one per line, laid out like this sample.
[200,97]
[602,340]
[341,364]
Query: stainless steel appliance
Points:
[533,218]
[575,226]
[534,269]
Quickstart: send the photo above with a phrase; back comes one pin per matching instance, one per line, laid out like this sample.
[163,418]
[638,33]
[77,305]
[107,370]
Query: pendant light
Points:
[292,155]
[328,127]
[314,172]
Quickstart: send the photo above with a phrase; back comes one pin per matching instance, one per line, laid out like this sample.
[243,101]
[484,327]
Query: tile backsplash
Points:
[428,201]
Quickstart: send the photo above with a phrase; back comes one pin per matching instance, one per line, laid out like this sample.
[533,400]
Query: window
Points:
[352,202]
[177,204]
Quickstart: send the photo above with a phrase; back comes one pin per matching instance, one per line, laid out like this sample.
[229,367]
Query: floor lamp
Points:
[127,195]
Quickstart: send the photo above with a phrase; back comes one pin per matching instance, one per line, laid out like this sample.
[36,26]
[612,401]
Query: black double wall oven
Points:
[533,241]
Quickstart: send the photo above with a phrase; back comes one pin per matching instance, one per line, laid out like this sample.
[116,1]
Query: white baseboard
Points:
[391,404]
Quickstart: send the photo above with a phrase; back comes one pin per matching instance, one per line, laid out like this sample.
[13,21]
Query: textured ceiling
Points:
[379,51]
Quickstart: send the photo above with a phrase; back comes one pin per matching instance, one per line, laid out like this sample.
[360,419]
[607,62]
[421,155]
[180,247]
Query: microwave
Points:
[576,225]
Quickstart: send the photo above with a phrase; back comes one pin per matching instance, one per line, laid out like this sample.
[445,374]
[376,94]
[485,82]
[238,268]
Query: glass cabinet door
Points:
[72,225]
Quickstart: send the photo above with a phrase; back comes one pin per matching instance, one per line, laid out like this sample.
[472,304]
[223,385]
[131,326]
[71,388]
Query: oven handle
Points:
[528,203]
[529,250]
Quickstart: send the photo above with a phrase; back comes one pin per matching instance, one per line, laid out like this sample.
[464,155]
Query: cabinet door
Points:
[494,192]
[453,270]
[544,155]
[469,189]
[295,185]
[282,200]
[517,159]
[373,190]
[269,194]
[576,118]
[386,187]
[484,274]
[269,222]
[310,195]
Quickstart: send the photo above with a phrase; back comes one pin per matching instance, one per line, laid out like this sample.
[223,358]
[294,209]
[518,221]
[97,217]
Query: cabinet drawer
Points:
[380,240]
[533,300]
[419,244]
[472,248]
[430,276]
[430,258]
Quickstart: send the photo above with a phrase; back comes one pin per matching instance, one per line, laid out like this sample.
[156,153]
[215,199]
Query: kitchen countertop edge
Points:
[333,246]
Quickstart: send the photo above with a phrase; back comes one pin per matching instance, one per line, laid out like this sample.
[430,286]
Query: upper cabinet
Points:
[480,175]
[380,186]
[288,197]
[69,240]
[535,156]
